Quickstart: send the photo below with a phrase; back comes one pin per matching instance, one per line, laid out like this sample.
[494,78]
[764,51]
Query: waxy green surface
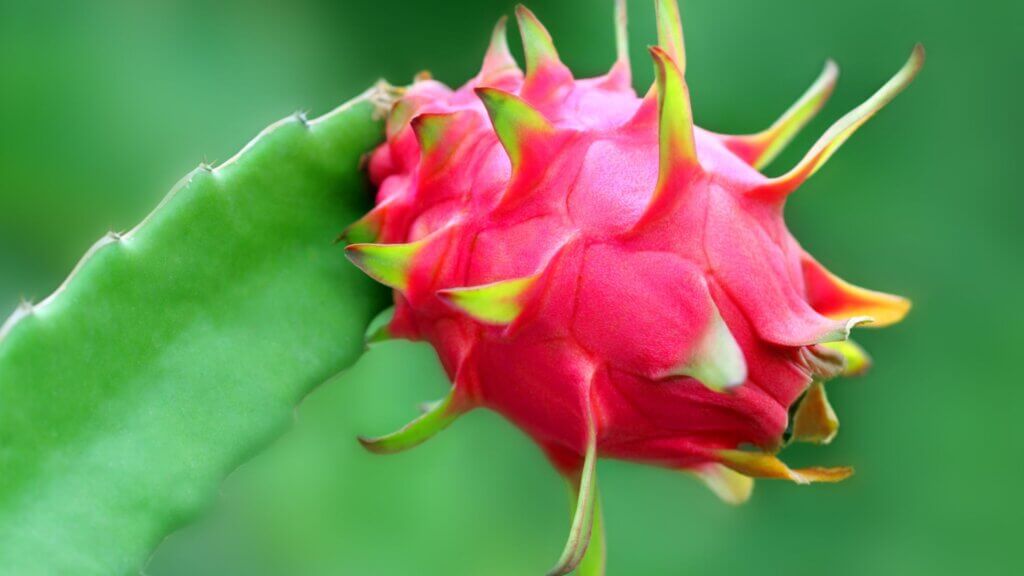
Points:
[177,350]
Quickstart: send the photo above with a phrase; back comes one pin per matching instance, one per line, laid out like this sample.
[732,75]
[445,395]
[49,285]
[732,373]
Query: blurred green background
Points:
[104,104]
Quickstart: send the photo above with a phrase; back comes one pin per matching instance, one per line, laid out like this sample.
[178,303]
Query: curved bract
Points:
[611,278]
[176,350]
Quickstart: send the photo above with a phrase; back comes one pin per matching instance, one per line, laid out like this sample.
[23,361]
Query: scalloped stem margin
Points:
[174,352]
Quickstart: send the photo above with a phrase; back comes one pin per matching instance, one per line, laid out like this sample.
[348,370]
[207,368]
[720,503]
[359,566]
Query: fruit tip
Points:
[858,321]
[919,53]
[662,59]
[481,91]
[831,69]
[369,444]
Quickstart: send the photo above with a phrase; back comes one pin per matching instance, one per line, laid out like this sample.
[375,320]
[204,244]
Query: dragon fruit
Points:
[612,279]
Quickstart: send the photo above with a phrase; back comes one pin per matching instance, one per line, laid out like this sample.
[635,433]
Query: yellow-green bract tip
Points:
[538,47]
[498,303]
[430,129]
[765,465]
[515,122]
[857,360]
[760,149]
[366,229]
[675,117]
[841,131]
[498,59]
[814,420]
[387,263]
[670,32]
[438,417]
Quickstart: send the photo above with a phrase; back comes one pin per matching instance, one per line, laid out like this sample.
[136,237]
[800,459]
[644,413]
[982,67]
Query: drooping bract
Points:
[614,280]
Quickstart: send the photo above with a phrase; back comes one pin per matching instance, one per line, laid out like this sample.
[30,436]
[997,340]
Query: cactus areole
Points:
[612,279]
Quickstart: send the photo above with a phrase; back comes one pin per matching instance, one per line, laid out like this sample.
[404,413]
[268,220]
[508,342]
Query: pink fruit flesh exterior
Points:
[636,235]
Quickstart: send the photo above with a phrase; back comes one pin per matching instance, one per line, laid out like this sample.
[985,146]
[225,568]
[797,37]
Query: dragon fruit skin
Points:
[612,279]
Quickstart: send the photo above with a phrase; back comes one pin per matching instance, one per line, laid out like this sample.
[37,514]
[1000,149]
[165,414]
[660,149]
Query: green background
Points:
[104,104]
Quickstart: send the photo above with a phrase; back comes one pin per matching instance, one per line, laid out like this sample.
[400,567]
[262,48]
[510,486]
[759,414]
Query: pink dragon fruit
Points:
[612,279]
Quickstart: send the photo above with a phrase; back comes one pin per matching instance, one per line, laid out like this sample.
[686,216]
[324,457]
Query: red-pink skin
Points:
[617,305]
